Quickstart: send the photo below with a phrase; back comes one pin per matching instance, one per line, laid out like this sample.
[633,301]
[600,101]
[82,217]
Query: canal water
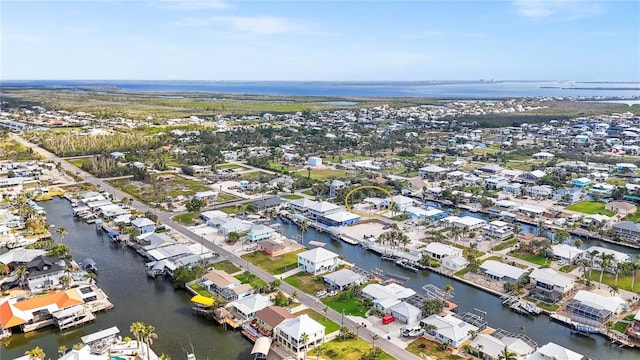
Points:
[136,298]
[139,298]
[470,298]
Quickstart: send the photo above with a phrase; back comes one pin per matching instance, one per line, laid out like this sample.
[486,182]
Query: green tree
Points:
[505,354]
[431,307]
[148,335]
[304,338]
[62,349]
[62,231]
[194,205]
[137,330]
[36,353]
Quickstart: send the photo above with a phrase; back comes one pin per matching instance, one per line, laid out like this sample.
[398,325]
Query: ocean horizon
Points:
[472,89]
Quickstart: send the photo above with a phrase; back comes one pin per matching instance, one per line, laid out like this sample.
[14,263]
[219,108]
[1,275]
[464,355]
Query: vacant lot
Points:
[590,207]
[306,282]
[347,303]
[226,265]
[149,193]
[274,264]
[349,349]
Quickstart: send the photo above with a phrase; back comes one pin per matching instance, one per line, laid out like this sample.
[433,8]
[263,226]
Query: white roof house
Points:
[455,262]
[439,250]
[343,277]
[289,333]
[449,328]
[550,279]
[614,304]
[566,252]
[500,271]
[553,351]
[493,347]
[247,307]
[405,312]
[322,208]
[302,205]
[235,225]
[469,222]
[20,255]
[318,260]
[377,291]
[142,222]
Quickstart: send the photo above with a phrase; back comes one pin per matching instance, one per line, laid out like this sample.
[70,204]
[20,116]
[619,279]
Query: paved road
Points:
[308,300]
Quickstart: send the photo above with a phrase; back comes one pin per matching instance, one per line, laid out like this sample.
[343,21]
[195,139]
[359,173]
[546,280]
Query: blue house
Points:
[581,182]
[341,218]
[259,232]
[626,168]
[144,225]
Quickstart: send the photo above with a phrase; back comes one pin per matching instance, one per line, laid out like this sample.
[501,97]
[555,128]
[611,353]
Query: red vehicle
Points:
[388,319]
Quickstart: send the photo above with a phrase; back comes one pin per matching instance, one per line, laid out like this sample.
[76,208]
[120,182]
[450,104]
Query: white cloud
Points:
[21,38]
[557,9]
[187,5]
[261,25]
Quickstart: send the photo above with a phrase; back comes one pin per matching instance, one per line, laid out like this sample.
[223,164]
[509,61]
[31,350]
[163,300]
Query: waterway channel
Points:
[136,298]
[139,298]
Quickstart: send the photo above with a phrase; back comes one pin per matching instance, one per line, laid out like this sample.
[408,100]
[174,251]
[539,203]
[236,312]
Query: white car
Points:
[332,293]
[321,293]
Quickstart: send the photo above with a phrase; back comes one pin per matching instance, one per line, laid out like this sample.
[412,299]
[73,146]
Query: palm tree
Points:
[62,231]
[137,329]
[304,338]
[634,266]
[303,228]
[36,353]
[148,335]
[620,267]
[448,288]
[22,275]
[4,268]
[479,348]
[592,255]
[358,326]
[606,261]
[62,350]
[374,337]
[430,329]
[505,354]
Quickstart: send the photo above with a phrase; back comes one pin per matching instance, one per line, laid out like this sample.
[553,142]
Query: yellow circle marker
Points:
[350,208]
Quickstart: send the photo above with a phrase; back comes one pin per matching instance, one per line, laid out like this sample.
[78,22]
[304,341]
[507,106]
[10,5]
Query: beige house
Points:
[621,207]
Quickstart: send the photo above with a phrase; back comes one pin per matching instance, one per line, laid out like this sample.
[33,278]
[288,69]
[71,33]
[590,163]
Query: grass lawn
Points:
[624,281]
[200,290]
[306,282]
[633,217]
[532,258]
[145,192]
[620,326]
[249,278]
[423,347]
[229,166]
[185,219]
[308,192]
[504,245]
[225,197]
[227,266]
[590,207]
[291,197]
[274,265]
[469,251]
[235,209]
[518,165]
[345,301]
[324,175]
[548,307]
[329,325]
[568,268]
[257,176]
[348,349]
[79,162]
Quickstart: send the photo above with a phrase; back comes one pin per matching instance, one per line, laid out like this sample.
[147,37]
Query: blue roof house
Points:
[259,232]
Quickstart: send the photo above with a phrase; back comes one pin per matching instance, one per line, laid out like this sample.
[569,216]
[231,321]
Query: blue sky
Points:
[321,40]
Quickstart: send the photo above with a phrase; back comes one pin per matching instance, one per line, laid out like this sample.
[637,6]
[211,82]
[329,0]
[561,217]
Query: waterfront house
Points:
[289,333]
[265,321]
[596,307]
[454,262]
[227,286]
[268,203]
[150,241]
[208,196]
[553,351]
[465,222]
[550,285]
[248,306]
[633,330]
[317,210]
[566,253]
[45,272]
[20,256]
[492,347]
[415,212]
[622,208]
[498,230]
[343,278]
[340,218]
[449,329]
[143,225]
[35,312]
[259,232]
[272,247]
[387,296]
[617,257]
[318,260]
[496,270]
[400,201]
[627,230]
[439,251]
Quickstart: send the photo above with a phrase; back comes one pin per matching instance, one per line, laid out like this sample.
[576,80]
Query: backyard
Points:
[274,265]
[185,219]
[590,207]
[348,349]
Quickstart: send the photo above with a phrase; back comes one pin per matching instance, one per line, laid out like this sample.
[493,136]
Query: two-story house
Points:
[318,260]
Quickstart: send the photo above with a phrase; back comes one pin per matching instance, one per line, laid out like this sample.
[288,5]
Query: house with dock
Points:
[496,270]
[550,285]
[595,307]
[449,329]
[343,278]
[227,286]
[318,260]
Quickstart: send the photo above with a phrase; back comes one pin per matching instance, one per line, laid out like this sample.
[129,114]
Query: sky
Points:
[320,40]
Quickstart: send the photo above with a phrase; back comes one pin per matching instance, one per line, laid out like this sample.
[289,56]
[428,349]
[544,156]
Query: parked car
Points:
[332,293]
[321,293]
